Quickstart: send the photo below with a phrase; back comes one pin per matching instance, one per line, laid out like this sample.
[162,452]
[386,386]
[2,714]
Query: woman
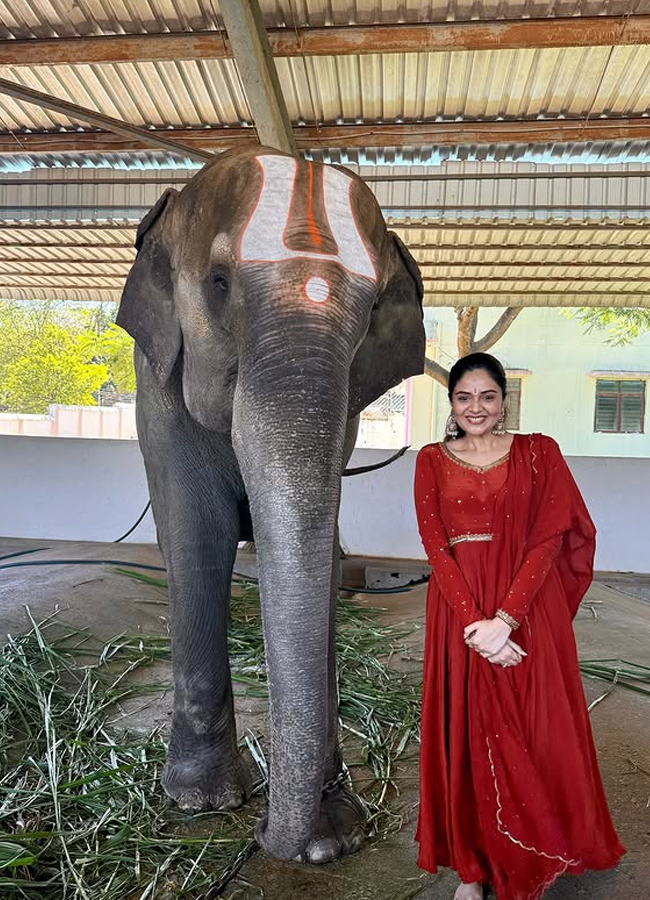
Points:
[510,793]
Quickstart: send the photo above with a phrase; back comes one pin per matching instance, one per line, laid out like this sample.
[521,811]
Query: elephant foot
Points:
[341,827]
[340,830]
[196,785]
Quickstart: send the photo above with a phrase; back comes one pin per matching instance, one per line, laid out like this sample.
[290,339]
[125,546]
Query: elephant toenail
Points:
[355,841]
[323,851]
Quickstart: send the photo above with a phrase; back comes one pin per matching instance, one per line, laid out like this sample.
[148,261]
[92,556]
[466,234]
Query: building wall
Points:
[558,396]
[74,421]
[72,489]
[76,489]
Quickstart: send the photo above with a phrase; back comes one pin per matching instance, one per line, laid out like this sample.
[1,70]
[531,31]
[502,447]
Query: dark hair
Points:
[471,363]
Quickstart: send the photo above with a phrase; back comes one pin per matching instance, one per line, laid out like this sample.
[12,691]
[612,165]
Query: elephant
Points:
[268,305]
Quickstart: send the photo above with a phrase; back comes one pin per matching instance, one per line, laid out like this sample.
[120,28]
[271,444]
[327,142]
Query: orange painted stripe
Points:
[312,228]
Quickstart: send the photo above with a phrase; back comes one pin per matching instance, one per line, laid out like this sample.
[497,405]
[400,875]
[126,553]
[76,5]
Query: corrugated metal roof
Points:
[456,191]
[512,192]
[433,87]
[494,227]
[573,244]
[590,152]
[145,160]
[47,18]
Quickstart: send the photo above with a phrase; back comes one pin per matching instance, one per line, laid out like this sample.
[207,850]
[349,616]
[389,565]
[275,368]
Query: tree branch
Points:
[473,325]
[466,316]
[436,371]
[497,331]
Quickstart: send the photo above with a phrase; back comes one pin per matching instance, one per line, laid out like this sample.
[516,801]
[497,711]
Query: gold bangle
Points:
[502,614]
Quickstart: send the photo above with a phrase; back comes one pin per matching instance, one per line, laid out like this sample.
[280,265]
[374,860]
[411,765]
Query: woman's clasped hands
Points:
[491,639]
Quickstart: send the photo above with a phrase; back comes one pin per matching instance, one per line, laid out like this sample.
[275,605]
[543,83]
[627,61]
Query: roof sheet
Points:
[480,220]
[47,18]
[409,87]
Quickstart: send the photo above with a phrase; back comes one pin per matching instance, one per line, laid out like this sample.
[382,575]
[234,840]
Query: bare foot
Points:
[473,891]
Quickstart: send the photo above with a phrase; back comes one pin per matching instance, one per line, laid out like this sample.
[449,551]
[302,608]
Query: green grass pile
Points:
[82,813]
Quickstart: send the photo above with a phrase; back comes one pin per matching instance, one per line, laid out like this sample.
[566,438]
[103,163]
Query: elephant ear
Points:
[147,304]
[393,348]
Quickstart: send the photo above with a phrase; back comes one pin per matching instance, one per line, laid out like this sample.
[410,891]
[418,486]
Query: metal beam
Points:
[61,246]
[87,227]
[195,142]
[462,228]
[25,275]
[430,37]
[137,178]
[252,53]
[537,299]
[89,116]
[25,279]
[601,174]
[576,226]
[524,279]
[40,292]
[499,248]
[79,268]
[589,264]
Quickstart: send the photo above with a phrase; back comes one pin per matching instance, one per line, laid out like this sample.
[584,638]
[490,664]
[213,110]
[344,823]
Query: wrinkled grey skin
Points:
[248,398]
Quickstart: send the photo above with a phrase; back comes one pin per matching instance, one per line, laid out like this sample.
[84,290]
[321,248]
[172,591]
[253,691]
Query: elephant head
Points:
[270,292]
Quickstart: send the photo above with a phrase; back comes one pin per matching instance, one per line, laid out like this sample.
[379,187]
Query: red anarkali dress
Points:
[510,792]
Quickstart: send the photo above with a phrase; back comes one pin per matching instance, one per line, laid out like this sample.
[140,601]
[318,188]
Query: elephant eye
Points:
[220,278]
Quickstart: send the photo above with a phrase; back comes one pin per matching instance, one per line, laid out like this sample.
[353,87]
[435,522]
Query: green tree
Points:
[116,351]
[620,326]
[55,368]
[39,366]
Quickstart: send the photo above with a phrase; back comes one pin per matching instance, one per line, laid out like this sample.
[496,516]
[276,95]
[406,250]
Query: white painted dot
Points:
[317,289]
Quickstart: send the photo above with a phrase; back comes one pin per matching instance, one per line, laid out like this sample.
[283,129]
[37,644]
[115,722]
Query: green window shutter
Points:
[620,406]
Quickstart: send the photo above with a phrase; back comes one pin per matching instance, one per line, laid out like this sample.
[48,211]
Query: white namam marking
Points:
[317,289]
[262,240]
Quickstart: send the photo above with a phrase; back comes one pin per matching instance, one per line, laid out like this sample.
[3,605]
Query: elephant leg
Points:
[341,826]
[204,769]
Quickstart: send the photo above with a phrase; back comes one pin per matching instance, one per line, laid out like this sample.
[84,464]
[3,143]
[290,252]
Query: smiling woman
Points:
[477,393]
[508,772]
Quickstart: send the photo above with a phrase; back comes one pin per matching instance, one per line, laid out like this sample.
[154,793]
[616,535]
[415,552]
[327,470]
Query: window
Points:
[620,406]
[385,423]
[513,404]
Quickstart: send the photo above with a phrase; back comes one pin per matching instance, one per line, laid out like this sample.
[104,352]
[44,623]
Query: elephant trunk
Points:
[288,434]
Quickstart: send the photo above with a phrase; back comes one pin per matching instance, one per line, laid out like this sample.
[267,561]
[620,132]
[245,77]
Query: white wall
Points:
[93,490]
[72,489]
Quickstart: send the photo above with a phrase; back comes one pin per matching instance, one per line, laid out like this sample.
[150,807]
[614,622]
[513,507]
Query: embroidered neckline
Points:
[471,466]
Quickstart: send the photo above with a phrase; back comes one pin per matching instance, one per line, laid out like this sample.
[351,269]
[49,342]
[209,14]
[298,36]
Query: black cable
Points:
[82,562]
[371,468]
[23,553]
[134,526]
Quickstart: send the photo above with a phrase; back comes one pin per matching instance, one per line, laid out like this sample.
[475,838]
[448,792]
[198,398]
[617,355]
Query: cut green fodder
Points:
[82,813]
[619,672]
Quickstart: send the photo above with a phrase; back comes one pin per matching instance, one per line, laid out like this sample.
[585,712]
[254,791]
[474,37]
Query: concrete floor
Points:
[616,624]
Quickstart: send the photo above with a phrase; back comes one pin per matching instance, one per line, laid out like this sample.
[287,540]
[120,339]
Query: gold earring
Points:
[451,428]
[500,427]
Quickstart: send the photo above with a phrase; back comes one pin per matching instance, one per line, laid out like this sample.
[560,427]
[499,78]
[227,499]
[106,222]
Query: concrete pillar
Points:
[422,411]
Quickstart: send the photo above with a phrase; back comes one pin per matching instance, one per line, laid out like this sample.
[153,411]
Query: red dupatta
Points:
[525,840]
[540,500]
